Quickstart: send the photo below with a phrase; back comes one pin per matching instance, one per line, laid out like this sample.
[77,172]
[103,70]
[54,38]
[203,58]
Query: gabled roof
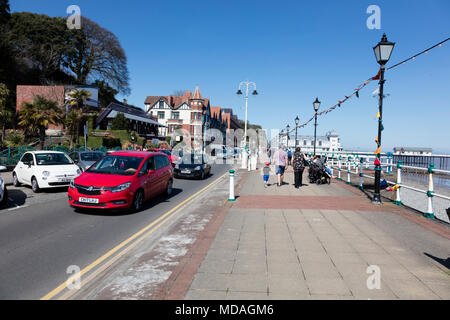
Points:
[131,113]
[215,112]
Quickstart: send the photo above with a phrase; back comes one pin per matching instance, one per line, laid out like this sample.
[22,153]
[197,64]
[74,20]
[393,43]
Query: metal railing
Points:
[357,163]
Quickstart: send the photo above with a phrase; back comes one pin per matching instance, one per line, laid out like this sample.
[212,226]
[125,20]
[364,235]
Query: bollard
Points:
[349,167]
[339,168]
[429,213]
[361,173]
[232,198]
[398,201]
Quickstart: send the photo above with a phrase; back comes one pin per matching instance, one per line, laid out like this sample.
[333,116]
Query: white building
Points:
[412,151]
[328,143]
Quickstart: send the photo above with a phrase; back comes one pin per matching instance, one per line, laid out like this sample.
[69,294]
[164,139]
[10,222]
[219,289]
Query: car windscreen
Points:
[52,159]
[192,159]
[90,156]
[117,165]
[165,152]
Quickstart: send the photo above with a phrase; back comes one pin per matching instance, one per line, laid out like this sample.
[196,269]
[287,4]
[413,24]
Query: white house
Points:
[412,151]
[328,143]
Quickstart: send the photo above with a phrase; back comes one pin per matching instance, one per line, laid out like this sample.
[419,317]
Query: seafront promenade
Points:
[316,242]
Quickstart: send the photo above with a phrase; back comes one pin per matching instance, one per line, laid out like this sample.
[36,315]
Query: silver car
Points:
[84,159]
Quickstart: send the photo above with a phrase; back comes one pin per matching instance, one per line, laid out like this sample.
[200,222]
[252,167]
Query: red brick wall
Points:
[27,93]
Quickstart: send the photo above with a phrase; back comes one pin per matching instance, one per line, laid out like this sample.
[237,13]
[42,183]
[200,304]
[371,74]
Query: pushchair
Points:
[318,174]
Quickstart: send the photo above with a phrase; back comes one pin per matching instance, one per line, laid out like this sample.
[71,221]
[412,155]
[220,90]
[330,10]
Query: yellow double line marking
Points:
[165,217]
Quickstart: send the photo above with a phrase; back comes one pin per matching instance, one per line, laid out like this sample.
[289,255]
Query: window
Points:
[175,115]
[151,163]
[144,169]
[161,162]
[28,158]
[312,143]
[320,143]
[160,114]
[304,142]
[161,104]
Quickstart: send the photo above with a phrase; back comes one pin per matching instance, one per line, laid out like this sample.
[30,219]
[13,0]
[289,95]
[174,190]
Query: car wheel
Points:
[169,188]
[5,197]
[138,201]
[34,185]
[16,182]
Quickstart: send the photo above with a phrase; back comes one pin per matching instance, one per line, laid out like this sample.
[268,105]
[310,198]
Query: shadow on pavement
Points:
[116,213]
[16,198]
[445,263]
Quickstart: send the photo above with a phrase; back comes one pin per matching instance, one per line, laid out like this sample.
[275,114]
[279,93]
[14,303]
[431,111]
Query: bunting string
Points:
[365,83]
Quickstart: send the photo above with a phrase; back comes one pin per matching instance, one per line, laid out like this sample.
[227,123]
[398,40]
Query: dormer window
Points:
[161,104]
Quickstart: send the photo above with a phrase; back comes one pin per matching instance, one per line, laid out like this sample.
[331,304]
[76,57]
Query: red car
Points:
[122,180]
[173,159]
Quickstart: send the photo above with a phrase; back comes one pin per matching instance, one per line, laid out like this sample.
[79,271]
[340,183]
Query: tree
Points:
[120,122]
[40,42]
[95,52]
[4,11]
[106,94]
[37,115]
[76,99]
[179,93]
[6,115]
[71,122]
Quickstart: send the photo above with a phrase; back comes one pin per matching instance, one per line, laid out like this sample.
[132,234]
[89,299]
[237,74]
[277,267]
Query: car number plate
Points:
[65,180]
[185,171]
[88,200]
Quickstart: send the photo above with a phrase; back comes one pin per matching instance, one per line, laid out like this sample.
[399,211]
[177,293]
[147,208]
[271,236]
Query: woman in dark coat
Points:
[298,163]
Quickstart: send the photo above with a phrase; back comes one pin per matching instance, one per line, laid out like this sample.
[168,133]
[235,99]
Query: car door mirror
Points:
[150,172]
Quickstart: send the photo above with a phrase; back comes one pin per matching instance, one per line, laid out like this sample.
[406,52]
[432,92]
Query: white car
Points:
[45,169]
[3,191]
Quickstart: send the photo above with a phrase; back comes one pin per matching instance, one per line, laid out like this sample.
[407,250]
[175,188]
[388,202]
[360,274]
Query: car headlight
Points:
[120,188]
[78,171]
[46,173]
[198,168]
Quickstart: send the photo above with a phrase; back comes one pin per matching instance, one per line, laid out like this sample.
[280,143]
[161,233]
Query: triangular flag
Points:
[378,151]
[377,91]
[357,94]
[378,114]
[382,127]
[376,140]
[378,76]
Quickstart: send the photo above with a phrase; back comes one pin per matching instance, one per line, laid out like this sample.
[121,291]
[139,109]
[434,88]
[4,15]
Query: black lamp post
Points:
[383,51]
[316,105]
[287,135]
[296,127]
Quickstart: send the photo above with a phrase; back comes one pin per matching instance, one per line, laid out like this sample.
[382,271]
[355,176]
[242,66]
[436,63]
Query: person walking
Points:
[298,164]
[280,158]
[266,174]
[289,157]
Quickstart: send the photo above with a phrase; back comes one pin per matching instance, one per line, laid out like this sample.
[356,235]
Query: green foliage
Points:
[111,143]
[106,94]
[14,140]
[120,122]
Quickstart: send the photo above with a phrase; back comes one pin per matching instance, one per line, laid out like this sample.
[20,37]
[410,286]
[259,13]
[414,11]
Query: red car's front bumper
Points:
[107,200]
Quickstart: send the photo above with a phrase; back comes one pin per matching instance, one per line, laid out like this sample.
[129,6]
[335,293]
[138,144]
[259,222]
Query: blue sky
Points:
[294,51]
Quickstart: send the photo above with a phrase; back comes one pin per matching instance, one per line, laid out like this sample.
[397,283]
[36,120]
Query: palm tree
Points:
[37,115]
[6,115]
[72,121]
[76,99]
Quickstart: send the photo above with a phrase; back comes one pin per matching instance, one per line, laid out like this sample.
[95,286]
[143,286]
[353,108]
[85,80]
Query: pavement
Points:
[316,242]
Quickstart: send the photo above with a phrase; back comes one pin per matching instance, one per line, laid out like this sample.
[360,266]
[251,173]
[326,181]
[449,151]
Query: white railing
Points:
[355,165]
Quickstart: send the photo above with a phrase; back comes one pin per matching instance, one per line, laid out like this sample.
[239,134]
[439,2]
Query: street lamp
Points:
[287,135]
[297,120]
[316,105]
[245,85]
[383,51]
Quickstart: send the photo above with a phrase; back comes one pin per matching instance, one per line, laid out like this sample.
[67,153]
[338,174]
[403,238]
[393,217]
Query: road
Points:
[38,242]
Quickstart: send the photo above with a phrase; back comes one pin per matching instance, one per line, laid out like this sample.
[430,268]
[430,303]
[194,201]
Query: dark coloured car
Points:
[192,166]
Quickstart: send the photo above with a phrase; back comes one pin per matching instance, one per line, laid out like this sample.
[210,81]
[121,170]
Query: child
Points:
[266,172]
